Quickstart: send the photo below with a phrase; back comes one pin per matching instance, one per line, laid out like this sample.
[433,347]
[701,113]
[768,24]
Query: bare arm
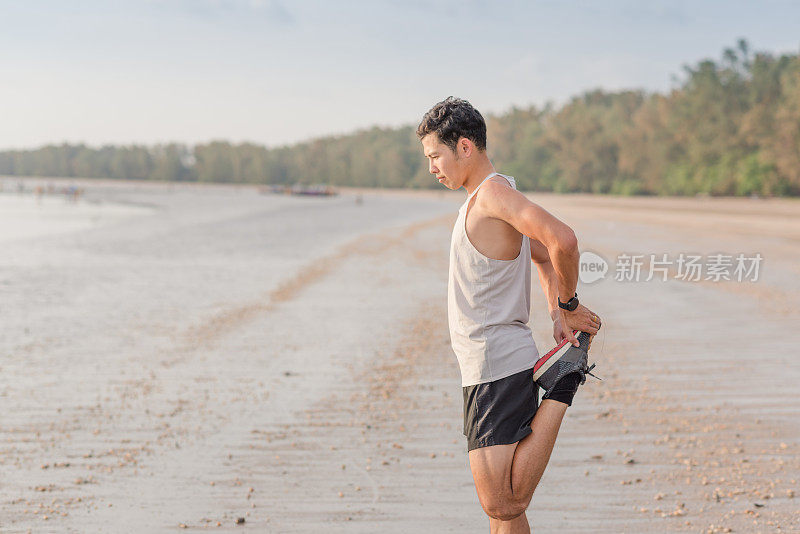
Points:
[547,275]
[582,318]
[558,239]
[554,249]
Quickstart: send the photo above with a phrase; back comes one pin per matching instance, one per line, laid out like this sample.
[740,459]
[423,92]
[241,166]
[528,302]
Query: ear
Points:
[465,147]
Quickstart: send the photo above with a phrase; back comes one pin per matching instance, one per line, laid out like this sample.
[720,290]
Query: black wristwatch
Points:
[570,305]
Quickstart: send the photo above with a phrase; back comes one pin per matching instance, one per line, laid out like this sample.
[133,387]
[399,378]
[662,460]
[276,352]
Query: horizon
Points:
[175,71]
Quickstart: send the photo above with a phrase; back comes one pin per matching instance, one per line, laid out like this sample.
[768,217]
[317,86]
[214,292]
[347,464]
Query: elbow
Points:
[568,242]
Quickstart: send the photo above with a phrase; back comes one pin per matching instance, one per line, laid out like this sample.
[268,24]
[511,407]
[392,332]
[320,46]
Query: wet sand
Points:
[323,395]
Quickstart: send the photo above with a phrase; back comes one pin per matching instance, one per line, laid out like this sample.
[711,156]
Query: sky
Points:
[276,72]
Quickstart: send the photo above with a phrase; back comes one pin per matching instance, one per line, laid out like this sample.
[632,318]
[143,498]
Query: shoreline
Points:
[586,198]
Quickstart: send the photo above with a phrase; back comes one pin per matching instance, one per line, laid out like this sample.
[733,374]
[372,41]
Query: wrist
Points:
[568,304]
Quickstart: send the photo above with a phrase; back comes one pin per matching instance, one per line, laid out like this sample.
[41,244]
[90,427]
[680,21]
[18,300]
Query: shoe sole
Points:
[545,362]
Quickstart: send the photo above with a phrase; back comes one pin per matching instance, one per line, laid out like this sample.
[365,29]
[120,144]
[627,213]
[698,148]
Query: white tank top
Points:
[488,307]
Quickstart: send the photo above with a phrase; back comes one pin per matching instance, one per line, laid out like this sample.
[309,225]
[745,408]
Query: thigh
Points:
[499,412]
[491,471]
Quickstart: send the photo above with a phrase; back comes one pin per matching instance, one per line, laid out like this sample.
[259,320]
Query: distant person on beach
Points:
[509,434]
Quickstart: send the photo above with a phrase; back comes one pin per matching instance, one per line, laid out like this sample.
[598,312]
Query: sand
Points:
[196,380]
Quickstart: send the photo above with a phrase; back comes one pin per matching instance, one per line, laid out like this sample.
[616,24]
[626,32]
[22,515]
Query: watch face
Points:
[570,305]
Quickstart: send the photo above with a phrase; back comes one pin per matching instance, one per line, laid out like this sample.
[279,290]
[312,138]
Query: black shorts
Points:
[500,412]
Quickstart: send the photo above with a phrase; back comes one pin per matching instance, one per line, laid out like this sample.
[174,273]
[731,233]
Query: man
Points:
[509,435]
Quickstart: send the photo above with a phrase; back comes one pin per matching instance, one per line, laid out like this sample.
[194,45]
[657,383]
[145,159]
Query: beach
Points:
[205,357]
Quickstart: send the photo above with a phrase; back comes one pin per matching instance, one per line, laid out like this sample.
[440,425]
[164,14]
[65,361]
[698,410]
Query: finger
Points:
[558,334]
[572,339]
[591,328]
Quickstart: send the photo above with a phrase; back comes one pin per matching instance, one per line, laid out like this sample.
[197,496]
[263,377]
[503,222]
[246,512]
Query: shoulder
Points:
[499,200]
[498,191]
[500,180]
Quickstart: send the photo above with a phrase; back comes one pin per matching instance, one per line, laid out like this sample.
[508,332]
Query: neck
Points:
[477,175]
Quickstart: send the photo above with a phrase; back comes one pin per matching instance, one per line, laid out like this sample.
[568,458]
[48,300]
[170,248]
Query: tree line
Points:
[728,127]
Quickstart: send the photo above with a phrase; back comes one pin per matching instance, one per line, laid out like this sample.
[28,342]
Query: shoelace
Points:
[589,372]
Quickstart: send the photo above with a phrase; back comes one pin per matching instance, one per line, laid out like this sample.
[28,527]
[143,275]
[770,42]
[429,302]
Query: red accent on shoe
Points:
[541,361]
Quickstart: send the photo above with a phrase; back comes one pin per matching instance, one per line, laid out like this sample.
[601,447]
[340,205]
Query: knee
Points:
[505,510]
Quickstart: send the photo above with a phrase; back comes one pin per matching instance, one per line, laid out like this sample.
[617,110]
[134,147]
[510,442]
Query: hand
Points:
[561,330]
[583,319]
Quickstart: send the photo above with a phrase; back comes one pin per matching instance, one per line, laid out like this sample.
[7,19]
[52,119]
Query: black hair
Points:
[451,119]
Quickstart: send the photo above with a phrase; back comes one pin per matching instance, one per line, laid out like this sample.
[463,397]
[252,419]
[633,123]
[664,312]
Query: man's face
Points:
[443,162]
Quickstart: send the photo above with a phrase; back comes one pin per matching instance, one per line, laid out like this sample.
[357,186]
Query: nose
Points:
[432,168]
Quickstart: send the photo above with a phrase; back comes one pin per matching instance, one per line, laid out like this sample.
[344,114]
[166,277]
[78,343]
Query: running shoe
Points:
[564,359]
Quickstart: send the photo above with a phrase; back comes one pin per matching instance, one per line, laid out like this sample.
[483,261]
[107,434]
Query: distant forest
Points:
[730,127]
